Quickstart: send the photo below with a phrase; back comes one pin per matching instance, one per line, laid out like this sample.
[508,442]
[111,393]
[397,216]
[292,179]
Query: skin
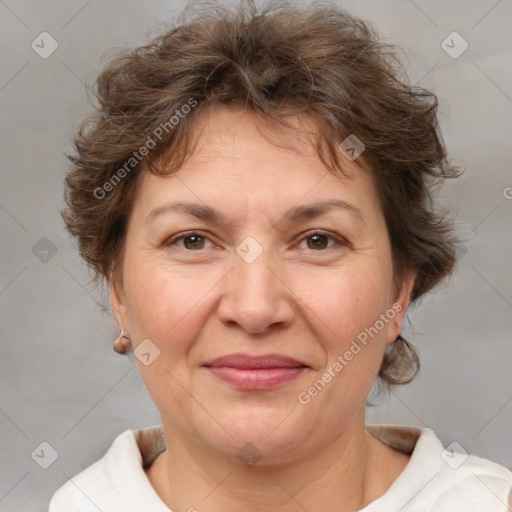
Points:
[197,299]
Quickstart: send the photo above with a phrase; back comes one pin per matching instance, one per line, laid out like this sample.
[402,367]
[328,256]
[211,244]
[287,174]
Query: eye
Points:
[320,240]
[316,241]
[192,241]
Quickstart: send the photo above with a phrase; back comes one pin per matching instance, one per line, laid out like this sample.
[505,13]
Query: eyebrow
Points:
[299,213]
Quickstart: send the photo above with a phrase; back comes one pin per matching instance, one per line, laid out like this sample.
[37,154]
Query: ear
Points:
[400,305]
[118,305]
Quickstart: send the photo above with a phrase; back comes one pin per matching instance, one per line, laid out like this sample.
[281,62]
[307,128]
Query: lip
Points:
[254,373]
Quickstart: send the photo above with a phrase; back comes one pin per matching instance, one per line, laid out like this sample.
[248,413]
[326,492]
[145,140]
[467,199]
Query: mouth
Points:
[253,373]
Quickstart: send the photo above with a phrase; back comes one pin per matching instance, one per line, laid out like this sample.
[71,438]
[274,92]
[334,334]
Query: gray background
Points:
[61,382]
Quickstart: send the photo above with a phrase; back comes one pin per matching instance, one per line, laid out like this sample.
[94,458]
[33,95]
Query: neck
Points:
[345,476]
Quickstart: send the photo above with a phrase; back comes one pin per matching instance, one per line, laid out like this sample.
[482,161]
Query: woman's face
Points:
[260,266]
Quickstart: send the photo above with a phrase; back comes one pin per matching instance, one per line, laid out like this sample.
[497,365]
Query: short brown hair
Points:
[314,60]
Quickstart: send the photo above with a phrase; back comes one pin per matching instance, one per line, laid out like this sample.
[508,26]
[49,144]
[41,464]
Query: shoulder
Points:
[95,487]
[117,481]
[470,483]
[444,479]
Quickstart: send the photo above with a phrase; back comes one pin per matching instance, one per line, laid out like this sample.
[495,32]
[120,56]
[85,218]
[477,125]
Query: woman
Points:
[255,188]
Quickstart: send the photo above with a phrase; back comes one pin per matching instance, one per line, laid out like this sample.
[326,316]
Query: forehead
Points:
[240,158]
[229,133]
[223,126]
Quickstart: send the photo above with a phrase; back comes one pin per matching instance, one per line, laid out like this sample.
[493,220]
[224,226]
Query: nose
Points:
[256,296]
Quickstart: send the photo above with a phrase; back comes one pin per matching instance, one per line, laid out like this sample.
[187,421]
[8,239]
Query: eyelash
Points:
[309,234]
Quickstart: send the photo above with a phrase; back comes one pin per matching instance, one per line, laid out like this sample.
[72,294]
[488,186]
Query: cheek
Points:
[346,307]
[165,303]
[343,306]
[165,306]
[347,302]
[170,306]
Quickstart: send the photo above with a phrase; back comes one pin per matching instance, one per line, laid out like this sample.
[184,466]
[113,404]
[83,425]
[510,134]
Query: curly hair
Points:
[277,61]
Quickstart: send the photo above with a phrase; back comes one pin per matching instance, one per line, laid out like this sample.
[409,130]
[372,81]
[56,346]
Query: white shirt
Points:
[434,480]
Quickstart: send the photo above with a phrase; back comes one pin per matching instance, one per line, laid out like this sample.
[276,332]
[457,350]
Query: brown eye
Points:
[193,242]
[318,242]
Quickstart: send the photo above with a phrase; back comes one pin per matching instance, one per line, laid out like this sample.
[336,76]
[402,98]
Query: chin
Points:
[262,432]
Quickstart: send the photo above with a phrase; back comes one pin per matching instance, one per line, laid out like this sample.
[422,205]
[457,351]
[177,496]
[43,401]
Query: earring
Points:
[121,346]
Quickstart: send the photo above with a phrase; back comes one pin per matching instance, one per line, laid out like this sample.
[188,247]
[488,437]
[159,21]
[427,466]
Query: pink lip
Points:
[255,372]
